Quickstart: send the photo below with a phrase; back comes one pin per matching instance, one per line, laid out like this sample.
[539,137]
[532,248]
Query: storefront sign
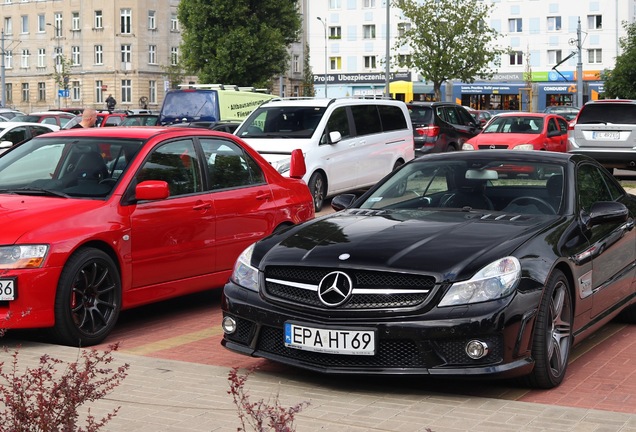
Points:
[361,78]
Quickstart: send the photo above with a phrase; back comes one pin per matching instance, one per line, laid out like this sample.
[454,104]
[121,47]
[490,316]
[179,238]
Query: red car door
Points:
[173,239]
[557,134]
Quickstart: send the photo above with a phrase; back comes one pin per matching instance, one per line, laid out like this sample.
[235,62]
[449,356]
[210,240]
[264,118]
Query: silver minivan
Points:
[606,131]
[348,143]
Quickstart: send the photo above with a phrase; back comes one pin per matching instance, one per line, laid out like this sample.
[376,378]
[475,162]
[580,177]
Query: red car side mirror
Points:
[297,167]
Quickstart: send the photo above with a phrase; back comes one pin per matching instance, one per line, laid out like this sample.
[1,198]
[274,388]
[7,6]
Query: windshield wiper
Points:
[39,191]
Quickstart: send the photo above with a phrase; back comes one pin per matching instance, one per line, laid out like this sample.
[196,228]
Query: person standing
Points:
[89,117]
[110,103]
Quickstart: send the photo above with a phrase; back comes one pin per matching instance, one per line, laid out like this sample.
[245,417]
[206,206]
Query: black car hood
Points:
[452,245]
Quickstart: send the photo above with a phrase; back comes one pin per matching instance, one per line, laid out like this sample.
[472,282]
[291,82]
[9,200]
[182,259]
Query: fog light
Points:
[229,325]
[476,349]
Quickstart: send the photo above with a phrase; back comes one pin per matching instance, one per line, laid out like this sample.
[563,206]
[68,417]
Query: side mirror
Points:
[607,212]
[334,137]
[297,167]
[152,190]
[6,144]
[341,202]
[554,133]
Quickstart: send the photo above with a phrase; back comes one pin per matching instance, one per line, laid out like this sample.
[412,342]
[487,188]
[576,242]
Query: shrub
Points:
[261,415]
[45,399]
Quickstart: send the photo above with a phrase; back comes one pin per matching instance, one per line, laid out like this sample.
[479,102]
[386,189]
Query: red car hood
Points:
[22,215]
[503,138]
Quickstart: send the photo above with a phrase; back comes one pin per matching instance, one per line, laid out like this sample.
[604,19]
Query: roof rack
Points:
[222,87]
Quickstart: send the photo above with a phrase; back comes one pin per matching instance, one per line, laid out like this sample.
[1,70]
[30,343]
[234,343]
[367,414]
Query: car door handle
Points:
[202,205]
[263,196]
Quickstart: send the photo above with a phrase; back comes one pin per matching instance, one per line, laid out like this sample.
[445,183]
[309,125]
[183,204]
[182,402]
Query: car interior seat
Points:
[519,127]
[467,193]
[90,167]
[554,186]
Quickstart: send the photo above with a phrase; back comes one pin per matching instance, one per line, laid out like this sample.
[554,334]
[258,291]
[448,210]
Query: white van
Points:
[348,143]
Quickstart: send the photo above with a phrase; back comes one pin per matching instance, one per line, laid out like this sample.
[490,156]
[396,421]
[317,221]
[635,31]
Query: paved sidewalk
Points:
[173,396]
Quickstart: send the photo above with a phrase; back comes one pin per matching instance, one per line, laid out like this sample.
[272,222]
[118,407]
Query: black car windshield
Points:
[508,185]
[282,122]
[86,167]
[515,124]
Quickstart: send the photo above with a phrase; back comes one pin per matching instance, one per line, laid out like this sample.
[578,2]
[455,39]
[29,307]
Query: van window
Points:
[338,121]
[285,122]
[366,119]
[392,118]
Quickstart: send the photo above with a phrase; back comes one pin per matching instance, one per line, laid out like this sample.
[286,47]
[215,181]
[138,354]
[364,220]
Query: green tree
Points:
[449,40]
[241,42]
[620,82]
[308,76]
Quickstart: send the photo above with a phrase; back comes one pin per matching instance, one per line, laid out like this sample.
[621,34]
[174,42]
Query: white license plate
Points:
[606,135]
[332,341]
[7,289]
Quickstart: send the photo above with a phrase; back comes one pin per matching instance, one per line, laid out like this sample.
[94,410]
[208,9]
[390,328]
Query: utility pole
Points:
[324,24]
[388,53]
[2,72]
[579,67]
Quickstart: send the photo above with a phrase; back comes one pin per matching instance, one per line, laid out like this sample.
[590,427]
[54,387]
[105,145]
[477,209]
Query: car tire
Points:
[318,188]
[628,315]
[552,334]
[88,298]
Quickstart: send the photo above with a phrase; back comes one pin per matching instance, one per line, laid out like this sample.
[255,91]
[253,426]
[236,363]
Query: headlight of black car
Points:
[244,274]
[496,280]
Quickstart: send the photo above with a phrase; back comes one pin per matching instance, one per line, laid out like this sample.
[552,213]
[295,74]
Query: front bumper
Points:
[422,344]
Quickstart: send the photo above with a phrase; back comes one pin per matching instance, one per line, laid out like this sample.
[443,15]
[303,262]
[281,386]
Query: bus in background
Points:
[209,103]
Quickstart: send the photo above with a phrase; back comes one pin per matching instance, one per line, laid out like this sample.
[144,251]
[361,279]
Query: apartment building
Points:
[118,47]
[348,51]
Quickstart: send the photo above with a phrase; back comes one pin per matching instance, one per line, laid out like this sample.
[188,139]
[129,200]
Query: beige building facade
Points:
[118,47]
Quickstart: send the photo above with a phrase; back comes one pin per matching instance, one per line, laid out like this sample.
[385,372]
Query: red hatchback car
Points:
[103,219]
[522,131]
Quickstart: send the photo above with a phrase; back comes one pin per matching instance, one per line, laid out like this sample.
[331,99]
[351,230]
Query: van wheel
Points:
[88,299]
[317,187]
[398,163]
[451,148]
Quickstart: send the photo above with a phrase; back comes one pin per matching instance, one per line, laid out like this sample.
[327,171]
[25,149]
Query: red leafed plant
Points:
[261,416]
[46,398]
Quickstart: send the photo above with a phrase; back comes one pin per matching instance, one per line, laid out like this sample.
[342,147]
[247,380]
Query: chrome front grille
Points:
[371,289]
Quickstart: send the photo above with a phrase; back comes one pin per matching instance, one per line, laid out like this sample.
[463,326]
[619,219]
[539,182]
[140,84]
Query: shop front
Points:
[493,96]
[362,85]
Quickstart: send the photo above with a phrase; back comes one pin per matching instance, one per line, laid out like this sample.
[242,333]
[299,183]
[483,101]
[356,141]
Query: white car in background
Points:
[12,133]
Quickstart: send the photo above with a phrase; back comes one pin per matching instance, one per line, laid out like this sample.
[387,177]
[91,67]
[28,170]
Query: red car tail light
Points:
[428,131]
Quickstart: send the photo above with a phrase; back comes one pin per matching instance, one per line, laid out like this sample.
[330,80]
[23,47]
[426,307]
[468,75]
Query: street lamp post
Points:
[56,58]
[324,24]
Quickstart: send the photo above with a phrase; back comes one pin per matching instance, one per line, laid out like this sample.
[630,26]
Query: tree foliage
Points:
[449,39]
[241,42]
[620,82]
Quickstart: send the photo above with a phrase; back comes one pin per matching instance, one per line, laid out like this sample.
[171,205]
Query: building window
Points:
[174,56]
[75,56]
[369,62]
[516,58]
[554,56]
[554,23]
[99,19]
[335,4]
[126,53]
[368,31]
[368,3]
[515,25]
[152,54]
[75,21]
[41,57]
[126,91]
[99,91]
[152,90]
[57,24]
[403,28]
[595,22]
[41,23]
[25,24]
[57,55]
[296,63]
[8,92]
[25,92]
[8,26]
[404,59]
[76,92]
[24,59]
[174,23]
[335,63]
[99,55]
[335,32]
[125,18]
[152,20]
[595,55]
[8,59]
[41,92]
